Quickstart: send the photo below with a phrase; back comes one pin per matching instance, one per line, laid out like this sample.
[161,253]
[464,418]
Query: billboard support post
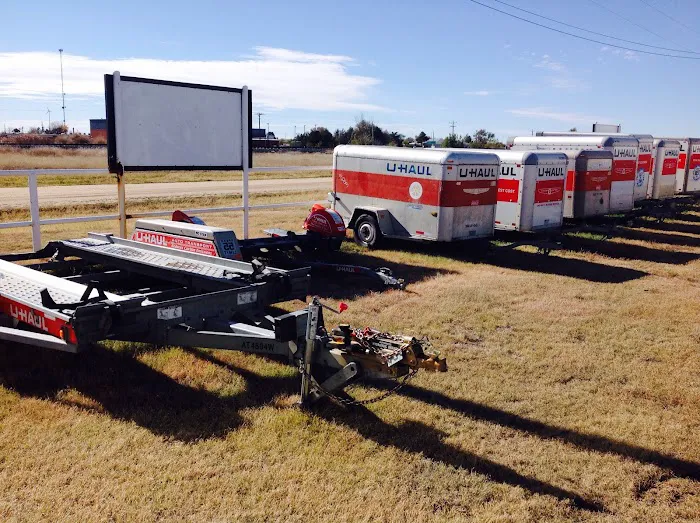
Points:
[246,156]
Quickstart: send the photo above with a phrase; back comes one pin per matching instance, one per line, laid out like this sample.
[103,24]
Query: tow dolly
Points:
[74,293]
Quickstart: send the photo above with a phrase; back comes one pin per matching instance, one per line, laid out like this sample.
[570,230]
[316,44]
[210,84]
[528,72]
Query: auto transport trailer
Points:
[324,233]
[688,169]
[419,194]
[625,150]
[530,190]
[663,183]
[74,293]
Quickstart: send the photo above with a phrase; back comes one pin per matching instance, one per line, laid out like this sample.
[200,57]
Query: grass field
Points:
[53,158]
[572,394]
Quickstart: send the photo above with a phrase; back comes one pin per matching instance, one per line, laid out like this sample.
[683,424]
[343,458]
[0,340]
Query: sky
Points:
[406,65]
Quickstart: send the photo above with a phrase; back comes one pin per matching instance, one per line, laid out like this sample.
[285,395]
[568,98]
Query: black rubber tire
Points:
[366,231]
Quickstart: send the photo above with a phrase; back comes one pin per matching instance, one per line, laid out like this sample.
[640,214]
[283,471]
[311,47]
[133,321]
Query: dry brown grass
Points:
[54,158]
[573,395]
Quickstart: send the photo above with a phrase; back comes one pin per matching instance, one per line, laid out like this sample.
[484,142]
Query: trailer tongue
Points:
[115,289]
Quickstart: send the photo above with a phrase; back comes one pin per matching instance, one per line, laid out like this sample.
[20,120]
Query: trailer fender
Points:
[382,215]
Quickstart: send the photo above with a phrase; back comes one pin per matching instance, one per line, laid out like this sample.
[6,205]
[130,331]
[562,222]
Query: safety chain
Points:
[353,402]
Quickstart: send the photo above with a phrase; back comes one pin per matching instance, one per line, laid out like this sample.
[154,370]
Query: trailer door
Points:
[468,201]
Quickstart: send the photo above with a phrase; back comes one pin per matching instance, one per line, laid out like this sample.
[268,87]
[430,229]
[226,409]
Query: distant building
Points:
[98,128]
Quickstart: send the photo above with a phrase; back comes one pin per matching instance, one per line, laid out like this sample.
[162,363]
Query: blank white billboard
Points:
[162,125]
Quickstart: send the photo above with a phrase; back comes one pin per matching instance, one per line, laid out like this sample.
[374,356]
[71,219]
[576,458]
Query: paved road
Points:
[18,197]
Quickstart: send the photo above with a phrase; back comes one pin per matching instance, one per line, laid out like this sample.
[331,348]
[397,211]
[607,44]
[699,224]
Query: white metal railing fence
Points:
[35,221]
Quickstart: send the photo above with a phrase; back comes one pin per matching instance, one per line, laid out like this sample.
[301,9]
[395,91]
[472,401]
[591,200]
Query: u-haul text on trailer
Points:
[530,190]
[427,194]
[625,151]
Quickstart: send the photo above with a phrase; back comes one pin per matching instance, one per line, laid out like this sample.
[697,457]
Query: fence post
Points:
[34,211]
[246,163]
[121,197]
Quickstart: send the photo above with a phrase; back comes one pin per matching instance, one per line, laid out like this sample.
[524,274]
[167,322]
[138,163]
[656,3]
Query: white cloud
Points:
[549,64]
[547,113]
[477,93]
[631,55]
[279,78]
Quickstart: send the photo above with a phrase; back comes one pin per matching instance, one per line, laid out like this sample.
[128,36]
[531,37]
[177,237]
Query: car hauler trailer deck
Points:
[420,194]
[127,291]
[688,170]
[625,151]
[530,190]
[644,160]
[663,182]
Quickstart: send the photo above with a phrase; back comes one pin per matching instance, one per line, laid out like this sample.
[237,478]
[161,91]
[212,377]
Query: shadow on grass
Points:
[130,390]
[666,226]
[679,467]
[479,252]
[656,237]
[626,251]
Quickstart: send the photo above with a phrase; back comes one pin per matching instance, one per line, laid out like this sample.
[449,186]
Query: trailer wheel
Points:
[366,231]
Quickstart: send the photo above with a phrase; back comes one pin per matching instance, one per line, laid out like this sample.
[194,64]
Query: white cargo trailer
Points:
[663,183]
[422,194]
[588,180]
[530,190]
[625,150]
[687,179]
[644,159]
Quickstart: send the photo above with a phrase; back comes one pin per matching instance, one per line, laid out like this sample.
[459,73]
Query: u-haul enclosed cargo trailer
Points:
[687,179]
[530,190]
[625,150]
[663,183]
[588,181]
[425,194]
[644,159]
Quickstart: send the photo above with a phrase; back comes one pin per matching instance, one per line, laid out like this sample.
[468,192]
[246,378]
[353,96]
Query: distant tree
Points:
[421,138]
[343,136]
[57,128]
[452,140]
[407,141]
[573,130]
[395,139]
[483,139]
[320,137]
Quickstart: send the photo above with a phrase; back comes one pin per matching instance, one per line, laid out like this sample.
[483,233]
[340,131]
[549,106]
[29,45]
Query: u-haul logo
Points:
[477,172]
[28,316]
[152,238]
[625,152]
[671,152]
[644,147]
[507,171]
[408,168]
[695,149]
[550,171]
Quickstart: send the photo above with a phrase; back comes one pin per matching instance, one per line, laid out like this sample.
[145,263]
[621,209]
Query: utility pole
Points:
[259,115]
[452,124]
[63,94]
[267,133]
[49,112]
[295,131]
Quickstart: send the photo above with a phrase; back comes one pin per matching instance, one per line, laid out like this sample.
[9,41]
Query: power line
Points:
[593,32]
[582,37]
[630,21]
[666,15]
[452,124]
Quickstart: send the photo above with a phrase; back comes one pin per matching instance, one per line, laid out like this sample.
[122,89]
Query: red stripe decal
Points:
[623,170]
[416,190]
[669,166]
[549,191]
[681,161]
[694,161]
[644,163]
[508,190]
[570,178]
[593,181]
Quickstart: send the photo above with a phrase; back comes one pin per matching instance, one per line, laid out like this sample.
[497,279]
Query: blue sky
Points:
[407,65]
